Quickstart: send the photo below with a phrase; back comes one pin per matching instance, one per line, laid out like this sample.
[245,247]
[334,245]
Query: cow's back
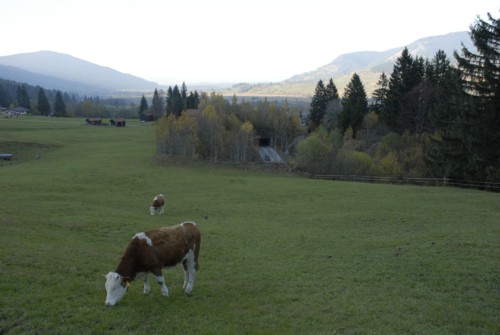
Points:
[171,244]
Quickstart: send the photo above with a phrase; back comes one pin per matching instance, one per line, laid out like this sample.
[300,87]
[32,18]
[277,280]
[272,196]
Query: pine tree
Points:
[355,105]
[396,110]
[157,105]
[43,105]
[318,105]
[192,100]
[177,103]
[331,91]
[59,105]
[184,95]
[380,93]
[170,109]
[481,79]
[143,107]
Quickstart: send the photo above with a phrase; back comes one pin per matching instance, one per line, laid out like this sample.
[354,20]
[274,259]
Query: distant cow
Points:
[158,204]
[151,251]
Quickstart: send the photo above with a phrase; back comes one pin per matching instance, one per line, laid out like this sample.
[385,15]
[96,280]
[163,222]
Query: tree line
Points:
[176,101]
[426,119]
[13,94]
[50,102]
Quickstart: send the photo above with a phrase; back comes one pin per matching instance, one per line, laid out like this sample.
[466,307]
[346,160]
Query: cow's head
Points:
[116,287]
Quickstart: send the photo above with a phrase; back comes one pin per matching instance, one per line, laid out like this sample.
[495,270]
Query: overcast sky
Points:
[170,41]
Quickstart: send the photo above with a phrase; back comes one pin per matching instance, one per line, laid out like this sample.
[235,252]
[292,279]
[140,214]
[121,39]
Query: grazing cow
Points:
[158,204]
[151,251]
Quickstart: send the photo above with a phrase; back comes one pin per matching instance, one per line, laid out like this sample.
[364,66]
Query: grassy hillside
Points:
[304,89]
[279,255]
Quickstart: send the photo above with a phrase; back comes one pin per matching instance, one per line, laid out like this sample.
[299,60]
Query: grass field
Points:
[279,255]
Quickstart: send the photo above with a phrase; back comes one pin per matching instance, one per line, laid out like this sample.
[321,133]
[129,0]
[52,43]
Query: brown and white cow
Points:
[158,204]
[151,251]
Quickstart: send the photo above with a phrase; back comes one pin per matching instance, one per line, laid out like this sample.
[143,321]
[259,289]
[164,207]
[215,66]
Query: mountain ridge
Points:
[368,60]
[55,70]
[93,77]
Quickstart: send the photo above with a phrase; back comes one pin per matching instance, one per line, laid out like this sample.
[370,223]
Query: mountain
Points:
[22,76]
[64,72]
[367,64]
[54,70]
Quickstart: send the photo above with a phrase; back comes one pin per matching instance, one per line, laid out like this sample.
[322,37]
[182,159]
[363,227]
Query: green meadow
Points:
[279,254]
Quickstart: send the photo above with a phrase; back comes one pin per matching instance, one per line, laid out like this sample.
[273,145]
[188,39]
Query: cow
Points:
[152,250]
[158,204]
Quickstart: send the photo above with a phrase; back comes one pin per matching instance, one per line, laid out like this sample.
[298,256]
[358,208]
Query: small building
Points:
[146,117]
[118,122]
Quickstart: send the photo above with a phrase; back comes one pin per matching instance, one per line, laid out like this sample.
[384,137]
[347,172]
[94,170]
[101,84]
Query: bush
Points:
[313,155]
[354,162]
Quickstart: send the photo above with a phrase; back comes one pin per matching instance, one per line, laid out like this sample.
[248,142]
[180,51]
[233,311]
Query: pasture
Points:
[279,254]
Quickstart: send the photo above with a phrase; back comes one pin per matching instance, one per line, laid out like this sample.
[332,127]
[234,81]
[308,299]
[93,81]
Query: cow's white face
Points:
[115,288]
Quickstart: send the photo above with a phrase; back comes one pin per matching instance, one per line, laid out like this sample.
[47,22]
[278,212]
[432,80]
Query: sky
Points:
[215,41]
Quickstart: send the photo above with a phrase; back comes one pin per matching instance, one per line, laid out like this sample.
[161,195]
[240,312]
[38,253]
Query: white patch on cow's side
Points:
[164,289]
[190,273]
[143,236]
[189,222]
[115,289]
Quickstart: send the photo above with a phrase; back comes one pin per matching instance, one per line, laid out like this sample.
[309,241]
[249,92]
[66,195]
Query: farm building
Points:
[118,122]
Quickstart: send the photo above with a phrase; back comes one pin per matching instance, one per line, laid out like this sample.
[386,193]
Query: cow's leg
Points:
[186,274]
[161,280]
[147,288]
[191,270]
[161,209]
[145,277]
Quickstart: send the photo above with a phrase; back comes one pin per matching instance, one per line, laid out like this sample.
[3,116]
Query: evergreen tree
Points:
[331,91]
[177,103]
[396,111]
[43,103]
[481,79]
[196,99]
[5,99]
[59,105]
[157,105]
[318,105]
[143,107]
[23,99]
[192,100]
[184,95]
[380,93]
[355,105]
[170,109]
